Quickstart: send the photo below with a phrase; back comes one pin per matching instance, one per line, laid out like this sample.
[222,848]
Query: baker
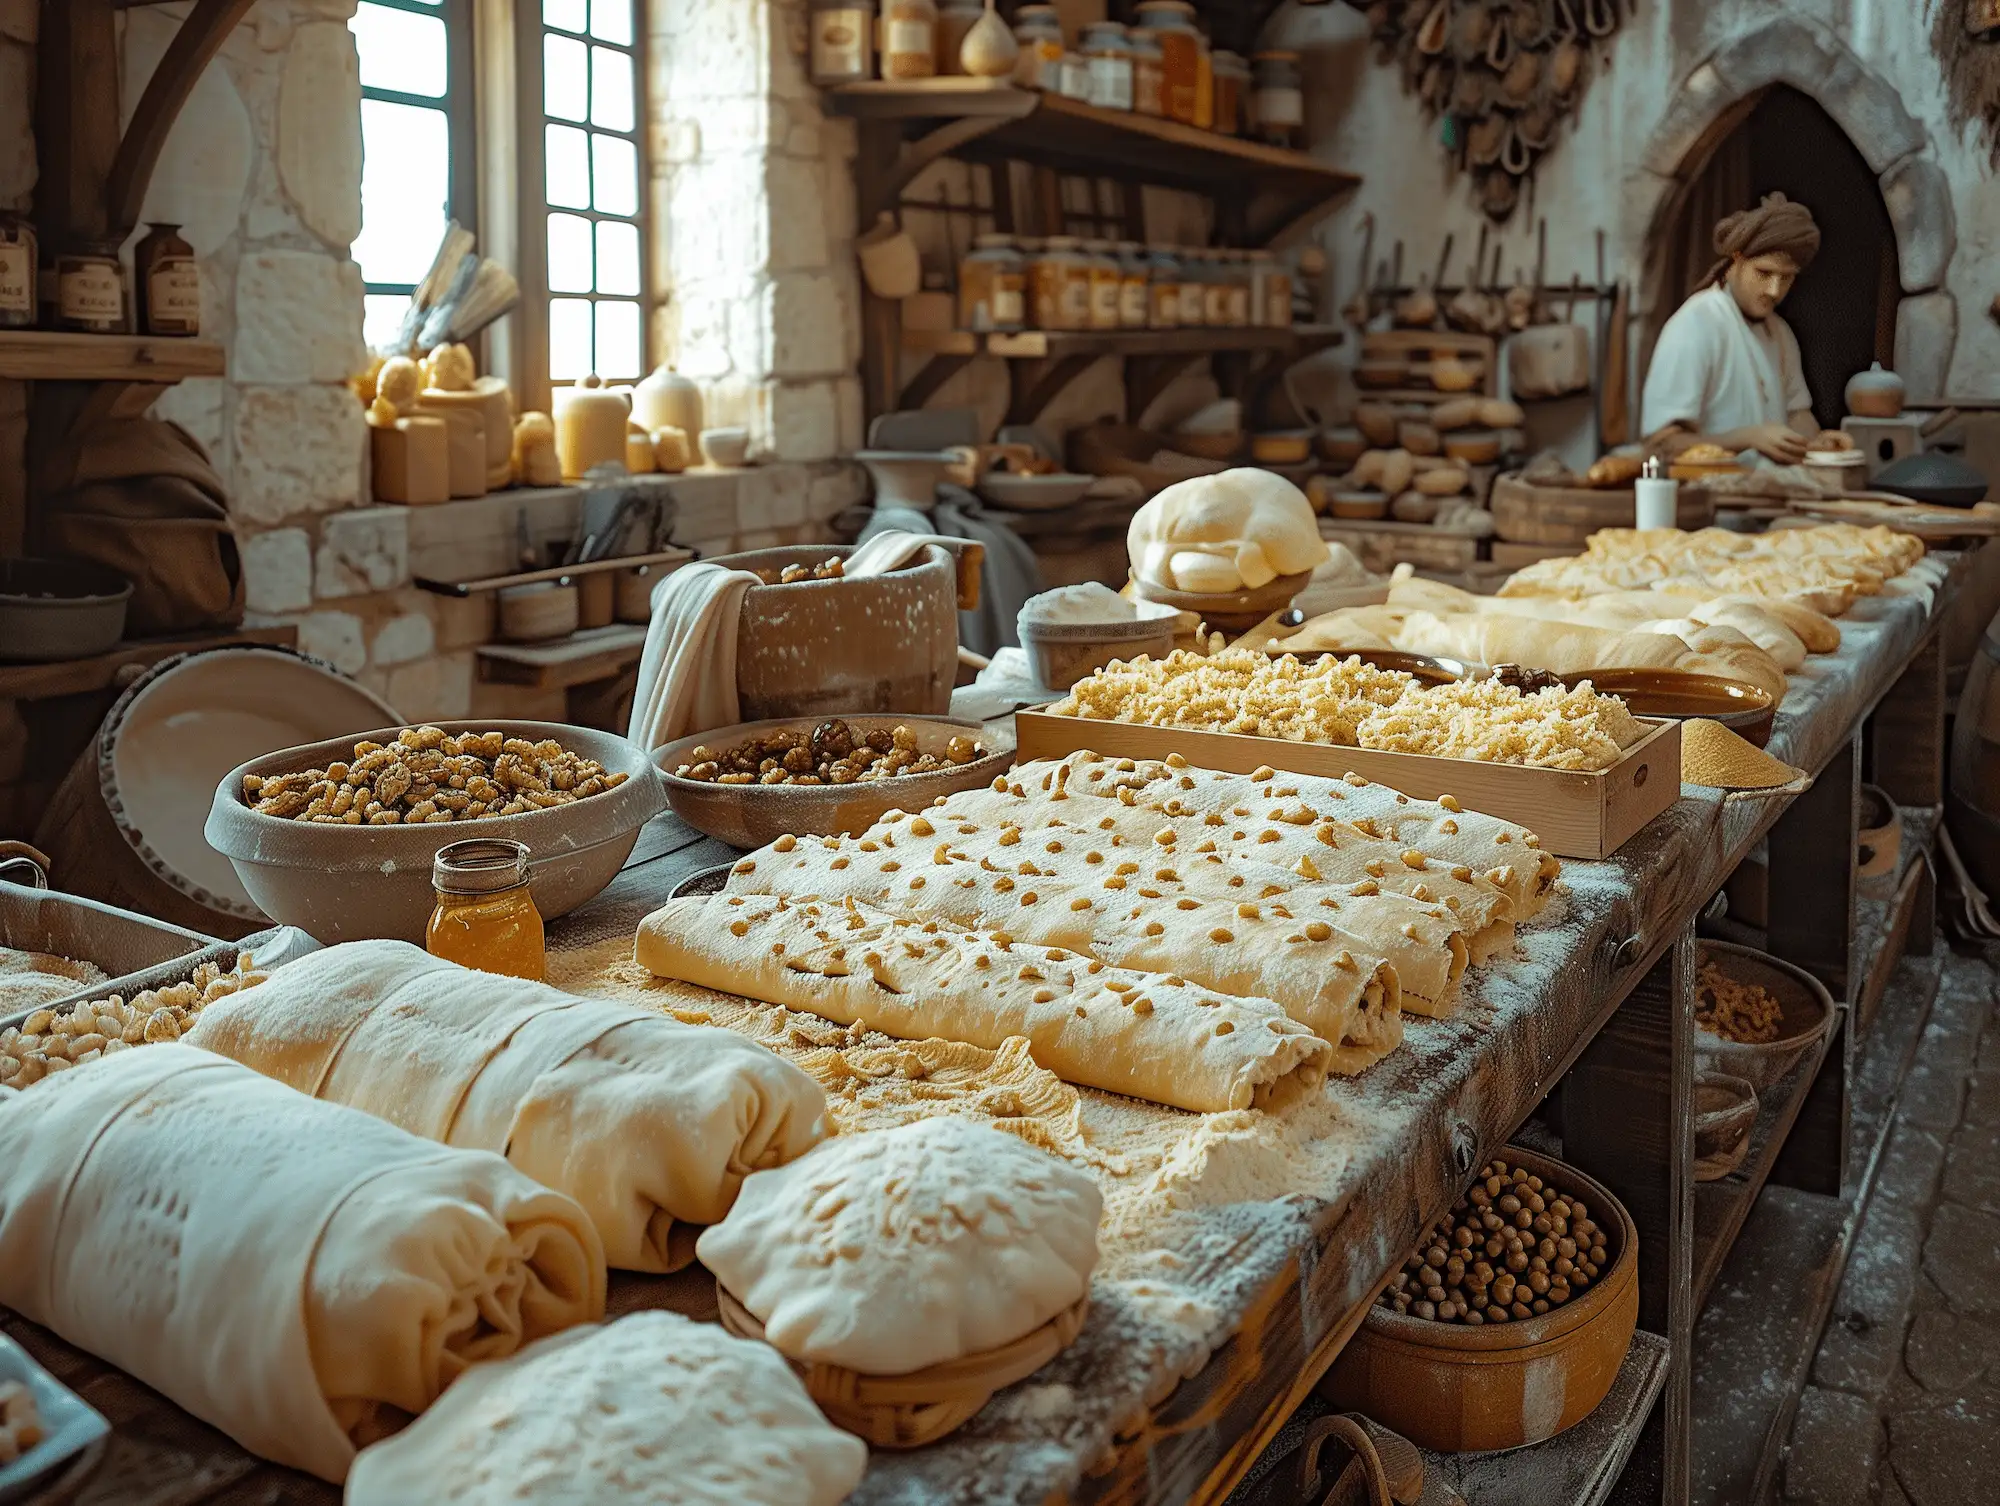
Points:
[1726,369]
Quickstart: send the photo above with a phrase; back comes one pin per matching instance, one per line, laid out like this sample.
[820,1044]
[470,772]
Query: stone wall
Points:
[1666,76]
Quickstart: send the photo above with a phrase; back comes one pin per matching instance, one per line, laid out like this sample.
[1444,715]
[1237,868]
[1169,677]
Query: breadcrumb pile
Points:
[54,1040]
[1346,703]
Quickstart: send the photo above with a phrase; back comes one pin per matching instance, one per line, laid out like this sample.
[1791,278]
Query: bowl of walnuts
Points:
[1755,1016]
[337,837]
[823,776]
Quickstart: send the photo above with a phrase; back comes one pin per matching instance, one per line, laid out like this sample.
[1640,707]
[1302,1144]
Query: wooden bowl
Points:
[1208,446]
[1033,493]
[908,1411]
[350,883]
[1725,1108]
[1282,447]
[1456,1388]
[53,609]
[1360,507]
[1424,667]
[1342,446]
[1473,446]
[536,613]
[1806,1014]
[1678,695]
[1230,610]
[749,815]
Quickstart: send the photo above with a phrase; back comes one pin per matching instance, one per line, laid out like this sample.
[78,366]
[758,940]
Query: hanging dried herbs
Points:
[1965,35]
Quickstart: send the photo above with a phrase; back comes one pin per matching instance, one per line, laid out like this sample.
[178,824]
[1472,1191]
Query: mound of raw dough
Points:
[1230,532]
[653,1410]
[890,1251]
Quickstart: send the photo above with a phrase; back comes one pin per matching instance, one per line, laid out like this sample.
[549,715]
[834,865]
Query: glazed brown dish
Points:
[1675,695]
[832,753]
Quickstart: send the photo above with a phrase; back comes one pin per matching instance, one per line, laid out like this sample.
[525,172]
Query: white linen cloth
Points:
[1715,371]
[687,671]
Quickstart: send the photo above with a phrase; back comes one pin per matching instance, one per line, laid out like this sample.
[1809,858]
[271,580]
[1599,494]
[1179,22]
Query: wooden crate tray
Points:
[1577,815]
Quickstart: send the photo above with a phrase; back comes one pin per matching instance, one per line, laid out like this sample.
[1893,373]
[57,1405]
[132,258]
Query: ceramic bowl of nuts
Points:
[1755,1016]
[337,837]
[821,776]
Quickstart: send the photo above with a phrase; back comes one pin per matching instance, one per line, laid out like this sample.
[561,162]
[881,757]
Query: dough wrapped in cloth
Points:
[300,1275]
[1141,1034]
[648,1123]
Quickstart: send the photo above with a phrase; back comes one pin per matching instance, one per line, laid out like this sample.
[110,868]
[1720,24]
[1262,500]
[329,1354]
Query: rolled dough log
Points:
[1151,1037]
[652,1410]
[300,1275]
[646,1122]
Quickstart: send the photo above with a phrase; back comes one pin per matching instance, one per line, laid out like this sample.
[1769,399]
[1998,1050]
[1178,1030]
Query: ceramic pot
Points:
[989,49]
[889,261]
[590,426]
[1876,392]
[667,400]
[726,448]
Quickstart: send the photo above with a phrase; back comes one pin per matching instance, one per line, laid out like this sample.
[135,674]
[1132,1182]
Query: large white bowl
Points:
[349,883]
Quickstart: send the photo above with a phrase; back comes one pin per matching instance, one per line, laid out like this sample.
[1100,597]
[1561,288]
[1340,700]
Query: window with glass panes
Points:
[592,188]
[417,167]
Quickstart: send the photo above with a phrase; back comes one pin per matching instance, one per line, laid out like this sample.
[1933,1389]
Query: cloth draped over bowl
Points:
[651,1125]
[301,1276]
[687,669]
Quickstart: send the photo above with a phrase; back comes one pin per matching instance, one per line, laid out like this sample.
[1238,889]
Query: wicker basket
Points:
[908,1411]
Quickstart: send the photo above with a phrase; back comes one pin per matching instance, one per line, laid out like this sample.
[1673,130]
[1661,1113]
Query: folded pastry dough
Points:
[892,1250]
[1151,1037]
[652,1410]
[1347,1000]
[298,1274]
[646,1122]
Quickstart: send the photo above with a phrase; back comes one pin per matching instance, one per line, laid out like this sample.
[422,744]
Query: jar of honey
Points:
[486,916]
[1181,54]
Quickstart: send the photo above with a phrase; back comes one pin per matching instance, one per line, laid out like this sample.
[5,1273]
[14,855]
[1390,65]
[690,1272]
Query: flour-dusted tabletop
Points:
[1189,1364]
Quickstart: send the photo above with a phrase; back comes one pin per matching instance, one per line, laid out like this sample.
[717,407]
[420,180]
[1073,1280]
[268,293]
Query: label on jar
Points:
[1104,302]
[1191,303]
[1010,308]
[1074,81]
[907,36]
[1280,107]
[1278,300]
[1239,305]
[91,292]
[1166,305]
[17,264]
[1111,83]
[840,44]
[1215,304]
[1132,303]
[173,297]
[1146,88]
[1074,304]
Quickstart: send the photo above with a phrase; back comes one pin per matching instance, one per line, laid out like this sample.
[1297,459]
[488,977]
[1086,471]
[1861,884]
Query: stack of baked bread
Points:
[1154,929]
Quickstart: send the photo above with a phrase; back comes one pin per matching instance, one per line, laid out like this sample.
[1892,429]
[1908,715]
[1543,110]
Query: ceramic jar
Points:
[590,426]
[667,400]
[842,49]
[1875,393]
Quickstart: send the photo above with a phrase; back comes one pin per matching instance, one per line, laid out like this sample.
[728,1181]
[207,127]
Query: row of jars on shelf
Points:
[1163,66]
[1066,283]
[83,288]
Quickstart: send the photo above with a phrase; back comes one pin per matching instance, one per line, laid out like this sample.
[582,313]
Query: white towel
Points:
[687,674]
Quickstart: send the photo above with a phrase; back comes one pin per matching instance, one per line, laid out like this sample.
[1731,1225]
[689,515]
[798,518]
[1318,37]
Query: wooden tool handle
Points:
[1351,1433]
[16,854]
[971,559]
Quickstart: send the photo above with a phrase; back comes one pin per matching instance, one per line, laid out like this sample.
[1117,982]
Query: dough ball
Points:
[897,1249]
[1207,573]
[1223,516]
[653,1410]
[398,382]
[450,368]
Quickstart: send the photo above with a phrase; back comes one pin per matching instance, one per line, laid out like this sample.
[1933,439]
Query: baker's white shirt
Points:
[1714,370]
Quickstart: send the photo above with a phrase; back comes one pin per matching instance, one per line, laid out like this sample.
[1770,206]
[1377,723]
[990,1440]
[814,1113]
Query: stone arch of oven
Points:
[1719,93]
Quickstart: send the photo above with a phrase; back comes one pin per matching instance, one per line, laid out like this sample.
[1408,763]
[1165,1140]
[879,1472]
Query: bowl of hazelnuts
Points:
[824,776]
[1509,1319]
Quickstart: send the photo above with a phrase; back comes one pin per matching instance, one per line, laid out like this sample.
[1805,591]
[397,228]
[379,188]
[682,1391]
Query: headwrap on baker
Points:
[1775,226]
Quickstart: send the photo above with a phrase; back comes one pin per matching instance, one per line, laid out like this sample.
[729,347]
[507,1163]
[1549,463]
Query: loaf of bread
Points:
[1148,1036]
[1318,980]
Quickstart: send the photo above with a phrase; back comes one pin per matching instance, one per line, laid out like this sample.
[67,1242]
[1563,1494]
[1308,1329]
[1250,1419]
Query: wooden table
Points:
[1607,1008]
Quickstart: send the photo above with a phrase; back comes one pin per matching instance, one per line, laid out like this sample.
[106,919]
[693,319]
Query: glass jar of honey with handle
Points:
[486,916]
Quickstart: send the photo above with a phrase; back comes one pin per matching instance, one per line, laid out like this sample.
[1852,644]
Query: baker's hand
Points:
[1777,442]
[1832,441]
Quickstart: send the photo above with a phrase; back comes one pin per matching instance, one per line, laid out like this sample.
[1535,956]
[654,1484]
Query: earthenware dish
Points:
[1679,695]
[1806,1014]
[1230,609]
[60,609]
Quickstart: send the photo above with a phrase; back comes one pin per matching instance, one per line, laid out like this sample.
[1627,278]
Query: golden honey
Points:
[486,916]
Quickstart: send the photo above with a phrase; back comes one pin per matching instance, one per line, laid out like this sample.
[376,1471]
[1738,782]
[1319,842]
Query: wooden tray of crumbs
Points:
[1577,815]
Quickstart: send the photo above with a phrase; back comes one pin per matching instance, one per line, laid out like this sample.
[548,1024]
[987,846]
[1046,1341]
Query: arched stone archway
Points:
[1720,92]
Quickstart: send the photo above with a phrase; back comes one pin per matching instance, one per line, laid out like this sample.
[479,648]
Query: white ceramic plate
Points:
[71,1424]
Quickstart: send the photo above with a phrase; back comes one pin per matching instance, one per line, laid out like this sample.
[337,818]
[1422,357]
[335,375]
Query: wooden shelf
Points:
[39,355]
[985,119]
[1054,344]
[580,659]
[32,682]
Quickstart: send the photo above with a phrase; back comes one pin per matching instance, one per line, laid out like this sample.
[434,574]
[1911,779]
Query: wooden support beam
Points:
[76,119]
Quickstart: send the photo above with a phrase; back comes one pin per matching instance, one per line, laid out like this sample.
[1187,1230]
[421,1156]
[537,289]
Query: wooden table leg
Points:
[1906,732]
[1628,1120]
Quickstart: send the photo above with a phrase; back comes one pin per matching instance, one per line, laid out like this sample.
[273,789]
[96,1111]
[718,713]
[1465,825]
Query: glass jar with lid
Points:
[991,281]
[1214,290]
[1194,287]
[1038,30]
[842,41]
[18,308]
[955,19]
[486,916]
[1273,291]
[1278,100]
[1106,281]
[1237,265]
[166,283]
[90,288]
[1171,23]
[1073,80]
[1146,80]
[1204,84]
[1135,275]
[909,39]
[1232,91]
[1109,58]
[1164,292]
[1061,278]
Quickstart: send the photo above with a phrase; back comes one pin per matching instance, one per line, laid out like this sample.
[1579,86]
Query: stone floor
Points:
[1904,1404]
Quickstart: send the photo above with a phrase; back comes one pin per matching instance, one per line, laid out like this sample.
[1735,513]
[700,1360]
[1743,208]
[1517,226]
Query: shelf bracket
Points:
[935,372]
[880,193]
[1146,377]
[200,37]
[1036,384]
